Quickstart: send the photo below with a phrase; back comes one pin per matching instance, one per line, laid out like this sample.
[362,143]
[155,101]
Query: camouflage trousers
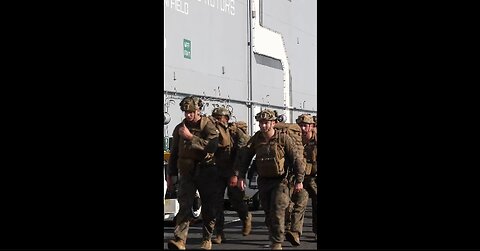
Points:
[235,197]
[273,193]
[310,185]
[206,181]
[295,212]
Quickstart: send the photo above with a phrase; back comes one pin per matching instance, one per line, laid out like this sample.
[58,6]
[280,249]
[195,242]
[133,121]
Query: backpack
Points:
[239,133]
[240,125]
[277,165]
[293,130]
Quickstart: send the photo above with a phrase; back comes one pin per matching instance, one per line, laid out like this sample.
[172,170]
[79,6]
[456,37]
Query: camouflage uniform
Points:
[192,161]
[294,215]
[229,145]
[296,211]
[273,191]
[310,184]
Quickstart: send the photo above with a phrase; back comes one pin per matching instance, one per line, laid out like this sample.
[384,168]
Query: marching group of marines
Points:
[209,154]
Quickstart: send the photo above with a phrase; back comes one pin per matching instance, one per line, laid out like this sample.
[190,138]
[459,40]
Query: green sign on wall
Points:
[187,49]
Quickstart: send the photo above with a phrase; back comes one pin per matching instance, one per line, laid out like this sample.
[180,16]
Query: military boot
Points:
[293,238]
[206,244]
[276,246]
[247,225]
[219,238]
[177,244]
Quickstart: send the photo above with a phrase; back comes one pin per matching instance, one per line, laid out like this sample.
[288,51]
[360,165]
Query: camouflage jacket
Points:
[205,140]
[258,141]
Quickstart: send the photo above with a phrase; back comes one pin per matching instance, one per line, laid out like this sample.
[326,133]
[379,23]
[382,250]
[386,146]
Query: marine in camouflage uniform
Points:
[298,203]
[315,134]
[195,140]
[271,149]
[311,156]
[231,140]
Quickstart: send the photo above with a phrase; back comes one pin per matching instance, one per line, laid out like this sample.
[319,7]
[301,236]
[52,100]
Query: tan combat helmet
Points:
[306,119]
[266,115]
[191,104]
[221,111]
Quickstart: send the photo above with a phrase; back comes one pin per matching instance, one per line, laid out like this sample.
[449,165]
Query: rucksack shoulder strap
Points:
[282,134]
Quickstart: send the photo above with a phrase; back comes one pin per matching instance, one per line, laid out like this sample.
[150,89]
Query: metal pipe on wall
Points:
[237,101]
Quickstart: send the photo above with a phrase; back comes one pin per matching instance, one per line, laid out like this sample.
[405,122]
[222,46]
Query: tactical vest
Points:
[225,139]
[270,157]
[270,160]
[188,151]
[225,143]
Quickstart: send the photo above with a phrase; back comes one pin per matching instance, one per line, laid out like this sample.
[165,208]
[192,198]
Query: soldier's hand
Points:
[241,184]
[185,133]
[233,181]
[298,187]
